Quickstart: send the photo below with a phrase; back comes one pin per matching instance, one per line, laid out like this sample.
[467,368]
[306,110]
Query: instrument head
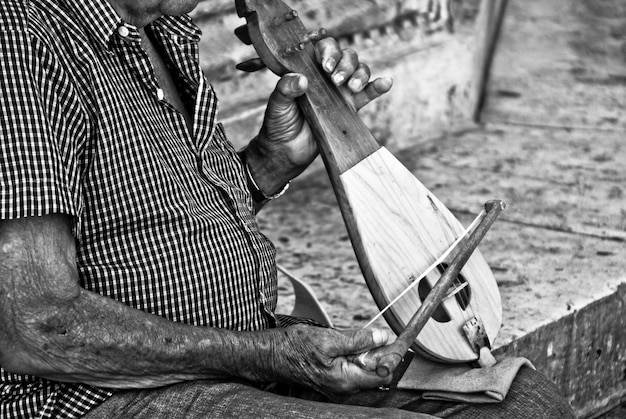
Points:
[278,35]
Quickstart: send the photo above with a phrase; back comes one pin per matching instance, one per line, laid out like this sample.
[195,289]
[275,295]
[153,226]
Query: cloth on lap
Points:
[461,382]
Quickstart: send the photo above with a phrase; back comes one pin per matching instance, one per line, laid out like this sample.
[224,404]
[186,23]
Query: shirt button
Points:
[160,94]
[123,31]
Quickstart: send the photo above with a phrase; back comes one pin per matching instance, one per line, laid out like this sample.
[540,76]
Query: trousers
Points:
[532,395]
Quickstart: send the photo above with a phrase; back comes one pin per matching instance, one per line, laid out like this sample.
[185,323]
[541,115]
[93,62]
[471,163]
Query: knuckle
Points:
[350,51]
[327,45]
[364,68]
[351,55]
[329,40]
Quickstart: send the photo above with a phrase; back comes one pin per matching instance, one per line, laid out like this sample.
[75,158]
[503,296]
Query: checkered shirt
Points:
[163,219]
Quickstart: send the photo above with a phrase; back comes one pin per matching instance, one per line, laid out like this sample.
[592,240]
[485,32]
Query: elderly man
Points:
[134,281]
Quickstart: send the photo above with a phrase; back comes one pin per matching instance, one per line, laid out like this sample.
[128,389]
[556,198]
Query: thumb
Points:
[289,87]
[283,120]
[366,343]
[364,340]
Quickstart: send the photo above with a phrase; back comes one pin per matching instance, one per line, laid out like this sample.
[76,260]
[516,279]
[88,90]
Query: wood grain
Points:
[401,229]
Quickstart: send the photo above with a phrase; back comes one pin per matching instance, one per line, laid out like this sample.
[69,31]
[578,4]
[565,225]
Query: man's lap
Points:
[532,395]
[214,399]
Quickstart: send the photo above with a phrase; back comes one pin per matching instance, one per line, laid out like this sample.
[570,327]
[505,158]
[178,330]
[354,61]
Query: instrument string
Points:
[466,298]
[435,264]
[462,288]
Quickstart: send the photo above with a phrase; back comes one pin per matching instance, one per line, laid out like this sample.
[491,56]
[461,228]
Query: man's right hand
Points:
[320,358]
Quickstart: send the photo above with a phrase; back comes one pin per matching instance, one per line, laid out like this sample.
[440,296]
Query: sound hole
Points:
[462,297]
[440,315]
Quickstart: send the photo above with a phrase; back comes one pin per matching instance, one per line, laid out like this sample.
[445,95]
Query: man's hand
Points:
[320,359]
[285,145]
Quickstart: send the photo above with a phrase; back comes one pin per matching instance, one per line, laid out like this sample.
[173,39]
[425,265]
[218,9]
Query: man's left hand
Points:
[285,142]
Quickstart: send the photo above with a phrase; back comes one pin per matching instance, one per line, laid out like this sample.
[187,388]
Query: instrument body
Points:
[397,227]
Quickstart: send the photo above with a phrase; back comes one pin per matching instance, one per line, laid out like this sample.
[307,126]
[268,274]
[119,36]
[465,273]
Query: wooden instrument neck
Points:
[343,138]
[280,39]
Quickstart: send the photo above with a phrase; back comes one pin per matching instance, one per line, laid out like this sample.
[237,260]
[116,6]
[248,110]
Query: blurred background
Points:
[395,38]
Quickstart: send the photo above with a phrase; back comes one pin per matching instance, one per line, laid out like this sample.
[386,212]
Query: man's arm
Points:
[52,328]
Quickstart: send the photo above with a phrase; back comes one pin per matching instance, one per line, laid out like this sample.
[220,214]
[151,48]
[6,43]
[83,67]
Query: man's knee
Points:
[533,395]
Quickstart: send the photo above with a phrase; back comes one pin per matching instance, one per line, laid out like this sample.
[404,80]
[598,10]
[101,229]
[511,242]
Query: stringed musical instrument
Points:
[397,227]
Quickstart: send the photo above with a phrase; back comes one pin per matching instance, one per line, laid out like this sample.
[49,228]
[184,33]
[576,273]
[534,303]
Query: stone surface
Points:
[583,352]
[564,60]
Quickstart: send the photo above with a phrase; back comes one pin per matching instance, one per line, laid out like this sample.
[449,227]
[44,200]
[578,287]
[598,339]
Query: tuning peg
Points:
[292,49]
[252,65]
[290,15]
[315,35]
[243,34]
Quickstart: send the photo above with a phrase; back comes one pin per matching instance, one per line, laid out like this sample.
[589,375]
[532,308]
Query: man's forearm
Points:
[99,341]
[53,328]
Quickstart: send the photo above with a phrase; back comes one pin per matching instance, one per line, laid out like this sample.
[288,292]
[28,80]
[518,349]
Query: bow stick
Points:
[385,360]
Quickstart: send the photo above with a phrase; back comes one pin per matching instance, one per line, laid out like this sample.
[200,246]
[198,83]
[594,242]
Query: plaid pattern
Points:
[163,220]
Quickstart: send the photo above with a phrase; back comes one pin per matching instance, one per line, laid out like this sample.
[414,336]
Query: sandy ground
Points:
[566,223]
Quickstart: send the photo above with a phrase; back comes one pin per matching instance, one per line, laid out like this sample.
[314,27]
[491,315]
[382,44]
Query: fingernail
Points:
[339,78]
[329,65]
[296,83]
[379,337]
[355,85]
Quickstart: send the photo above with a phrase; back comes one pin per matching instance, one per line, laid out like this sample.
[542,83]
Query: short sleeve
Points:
[40,129]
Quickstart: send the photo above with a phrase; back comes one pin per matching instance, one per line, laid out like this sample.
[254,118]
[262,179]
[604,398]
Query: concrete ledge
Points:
[583,352]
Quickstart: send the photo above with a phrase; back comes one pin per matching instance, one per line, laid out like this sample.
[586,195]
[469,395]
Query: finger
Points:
[365,339]
[364,379]
[328,53]
[340,64]
[346,67]
[372,91]
[360,78]
[351,379]
[365,361]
